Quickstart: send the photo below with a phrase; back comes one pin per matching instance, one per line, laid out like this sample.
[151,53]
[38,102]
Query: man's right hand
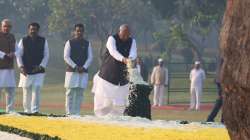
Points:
[23,71]
[125,60]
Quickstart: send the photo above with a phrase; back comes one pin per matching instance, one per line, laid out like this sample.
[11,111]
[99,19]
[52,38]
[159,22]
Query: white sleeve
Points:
[111,46]
[2,55]
[90,57]
[66,56]
[46,55]
[190,76]
[152,78]
[133,50]
[16,49]
[19,54]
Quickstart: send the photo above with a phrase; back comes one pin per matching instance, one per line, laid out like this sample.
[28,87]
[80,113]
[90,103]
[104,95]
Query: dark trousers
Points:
[217,106]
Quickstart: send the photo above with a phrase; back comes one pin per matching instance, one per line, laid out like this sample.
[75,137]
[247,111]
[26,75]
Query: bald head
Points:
[6,26]
[124,32]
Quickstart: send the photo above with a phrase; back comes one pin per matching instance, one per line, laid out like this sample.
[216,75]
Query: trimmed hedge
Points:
[27,134]
[35,114]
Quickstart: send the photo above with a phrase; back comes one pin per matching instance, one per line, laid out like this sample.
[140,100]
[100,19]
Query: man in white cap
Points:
[159,79]
[7,73]
[111,86]
[197,77]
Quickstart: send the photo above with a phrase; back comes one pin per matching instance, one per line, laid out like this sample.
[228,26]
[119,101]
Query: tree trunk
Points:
[235,47]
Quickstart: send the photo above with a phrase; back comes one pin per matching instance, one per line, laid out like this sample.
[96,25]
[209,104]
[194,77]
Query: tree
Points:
[235,47]
[194,18]
[32,11]
[101,17]
[25,11]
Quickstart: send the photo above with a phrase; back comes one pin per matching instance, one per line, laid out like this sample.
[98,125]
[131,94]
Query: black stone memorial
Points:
[139,103]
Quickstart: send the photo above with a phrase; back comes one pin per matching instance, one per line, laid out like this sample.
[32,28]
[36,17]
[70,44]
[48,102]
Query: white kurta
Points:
[197,77]
[138,67]
[105,92]
[75,79]
[34,79]
[7,75]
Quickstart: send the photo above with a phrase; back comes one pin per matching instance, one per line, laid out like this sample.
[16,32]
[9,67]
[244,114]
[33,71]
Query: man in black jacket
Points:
[32,59]
[111,86]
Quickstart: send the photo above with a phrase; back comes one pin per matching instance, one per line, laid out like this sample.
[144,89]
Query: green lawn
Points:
[54,95]
[53,90]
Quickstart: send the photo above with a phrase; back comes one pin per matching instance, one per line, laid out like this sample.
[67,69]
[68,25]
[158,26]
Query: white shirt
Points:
[2,54]
[75,79]
[111,46]
[138,67]
[104,89]
[34,79]
[197,77]
[7,76]
[19,54]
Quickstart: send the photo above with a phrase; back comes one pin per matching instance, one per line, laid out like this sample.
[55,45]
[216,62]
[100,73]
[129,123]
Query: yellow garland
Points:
[77,130]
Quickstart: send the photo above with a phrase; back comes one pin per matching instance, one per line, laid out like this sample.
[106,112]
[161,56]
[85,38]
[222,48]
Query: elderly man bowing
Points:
[7,73]
[32,59]
[78,57]
[110,84]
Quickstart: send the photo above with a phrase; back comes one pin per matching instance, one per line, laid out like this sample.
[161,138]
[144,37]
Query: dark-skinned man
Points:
[7,73]
[111,86]
[32,59]
[78,57]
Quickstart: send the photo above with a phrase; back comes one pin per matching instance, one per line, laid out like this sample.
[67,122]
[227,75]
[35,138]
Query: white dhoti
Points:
[8,82]
[197,76]
[195,98]
[109,98]
[159,95]
[31,85]
[75,83]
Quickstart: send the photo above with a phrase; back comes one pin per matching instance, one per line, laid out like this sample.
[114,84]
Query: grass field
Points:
[53,99]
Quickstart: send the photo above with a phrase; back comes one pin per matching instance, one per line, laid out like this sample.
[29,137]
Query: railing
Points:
[179,82]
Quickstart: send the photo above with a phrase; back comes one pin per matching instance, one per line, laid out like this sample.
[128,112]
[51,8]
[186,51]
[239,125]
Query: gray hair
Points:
[6,21]
[123,27]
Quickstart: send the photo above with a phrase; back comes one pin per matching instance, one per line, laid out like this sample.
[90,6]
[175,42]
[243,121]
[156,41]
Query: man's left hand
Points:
[11,55]
[38,68]
[82,69]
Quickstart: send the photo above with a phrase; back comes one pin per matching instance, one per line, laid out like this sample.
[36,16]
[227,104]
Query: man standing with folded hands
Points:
[78,57]
[32,59]
[7,72]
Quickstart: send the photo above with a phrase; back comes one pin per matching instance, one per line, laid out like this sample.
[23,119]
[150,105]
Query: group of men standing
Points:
[110,84]
[32,54]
